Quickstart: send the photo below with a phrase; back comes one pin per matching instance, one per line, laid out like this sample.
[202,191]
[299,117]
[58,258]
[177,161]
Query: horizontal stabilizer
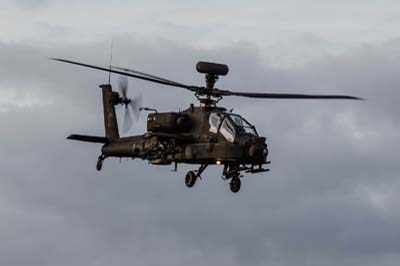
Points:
[86,138]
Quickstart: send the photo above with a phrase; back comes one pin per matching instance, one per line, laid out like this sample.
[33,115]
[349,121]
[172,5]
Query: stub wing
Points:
[86,138]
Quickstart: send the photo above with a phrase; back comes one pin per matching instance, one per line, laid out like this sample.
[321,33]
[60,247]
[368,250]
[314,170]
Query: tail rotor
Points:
[131,105]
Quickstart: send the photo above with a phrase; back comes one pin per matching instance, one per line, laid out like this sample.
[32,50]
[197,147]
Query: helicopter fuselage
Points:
[198,135]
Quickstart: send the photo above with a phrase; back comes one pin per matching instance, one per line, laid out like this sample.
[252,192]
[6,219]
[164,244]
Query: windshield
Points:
[242,125]
[227,130]
[215,122]
[219,123]
[229,125]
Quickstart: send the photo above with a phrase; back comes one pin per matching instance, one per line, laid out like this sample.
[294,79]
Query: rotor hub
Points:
[125,101]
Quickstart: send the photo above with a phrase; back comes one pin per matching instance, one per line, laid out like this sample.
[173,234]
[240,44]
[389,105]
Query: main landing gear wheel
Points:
[190,179]
[235,184]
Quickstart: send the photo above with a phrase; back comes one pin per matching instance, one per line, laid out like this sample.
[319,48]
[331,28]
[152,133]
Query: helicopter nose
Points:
[258,150]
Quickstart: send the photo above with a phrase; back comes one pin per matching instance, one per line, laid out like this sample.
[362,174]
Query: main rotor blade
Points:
[148,75]
[288,96]
[191,88]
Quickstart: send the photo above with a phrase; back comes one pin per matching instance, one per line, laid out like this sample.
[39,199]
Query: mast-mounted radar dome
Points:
[212,68]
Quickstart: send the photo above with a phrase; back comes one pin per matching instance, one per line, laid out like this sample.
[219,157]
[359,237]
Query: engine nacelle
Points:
[168,122]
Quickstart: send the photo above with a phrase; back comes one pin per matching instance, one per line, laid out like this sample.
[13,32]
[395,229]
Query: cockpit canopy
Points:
[230,125]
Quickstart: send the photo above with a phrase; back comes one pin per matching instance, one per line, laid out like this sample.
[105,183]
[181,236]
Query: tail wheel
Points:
[190,179]
[235,184]
[99,165]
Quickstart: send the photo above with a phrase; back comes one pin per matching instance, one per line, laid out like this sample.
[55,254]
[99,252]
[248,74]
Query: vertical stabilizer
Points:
[110,119]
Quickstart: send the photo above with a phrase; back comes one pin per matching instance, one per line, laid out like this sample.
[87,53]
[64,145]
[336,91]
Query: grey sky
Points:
[331,197]
[316,27]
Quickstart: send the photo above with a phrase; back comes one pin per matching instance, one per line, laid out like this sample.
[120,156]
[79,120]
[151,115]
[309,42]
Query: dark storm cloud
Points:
[331,196]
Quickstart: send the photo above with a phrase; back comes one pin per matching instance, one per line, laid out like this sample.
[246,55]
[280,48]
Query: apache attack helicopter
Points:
[206,134]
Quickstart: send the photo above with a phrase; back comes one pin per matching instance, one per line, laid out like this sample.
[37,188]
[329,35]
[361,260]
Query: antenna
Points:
[111,54]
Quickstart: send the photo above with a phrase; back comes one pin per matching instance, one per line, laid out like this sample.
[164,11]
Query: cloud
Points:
[331,196]
[31,3]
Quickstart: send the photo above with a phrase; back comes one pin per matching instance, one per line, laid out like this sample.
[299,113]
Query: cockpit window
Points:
[242,125]
[229,125]
[215,122]
[228,130]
